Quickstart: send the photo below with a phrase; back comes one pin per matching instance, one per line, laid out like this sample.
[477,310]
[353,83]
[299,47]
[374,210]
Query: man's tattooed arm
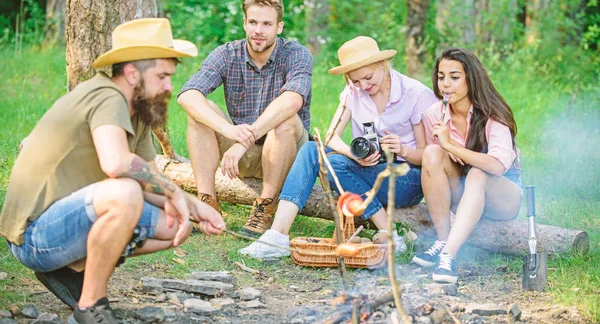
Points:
[150,180]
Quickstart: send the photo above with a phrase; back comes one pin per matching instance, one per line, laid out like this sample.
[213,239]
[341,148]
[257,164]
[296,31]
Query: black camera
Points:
[368,144]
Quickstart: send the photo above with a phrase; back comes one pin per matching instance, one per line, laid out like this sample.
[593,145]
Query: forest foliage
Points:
[554,29]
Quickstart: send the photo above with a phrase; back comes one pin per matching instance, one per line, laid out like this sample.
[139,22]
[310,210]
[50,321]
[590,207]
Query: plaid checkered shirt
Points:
[249,90]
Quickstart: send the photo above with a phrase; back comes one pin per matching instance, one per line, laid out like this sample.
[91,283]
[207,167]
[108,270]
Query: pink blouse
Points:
[498,135]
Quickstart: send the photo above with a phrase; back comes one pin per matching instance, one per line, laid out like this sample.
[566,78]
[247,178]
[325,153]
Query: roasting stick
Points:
[396,289]
[324,253]
[330,134]
[398,170]
[337,217]
[358,230]
[321,149]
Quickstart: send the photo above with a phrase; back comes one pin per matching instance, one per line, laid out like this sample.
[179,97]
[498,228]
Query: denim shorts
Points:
[514,175]
[58,237]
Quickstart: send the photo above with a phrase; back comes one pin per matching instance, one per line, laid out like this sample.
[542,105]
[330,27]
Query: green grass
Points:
[558,138]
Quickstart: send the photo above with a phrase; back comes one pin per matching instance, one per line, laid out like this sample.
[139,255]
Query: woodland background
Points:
[542,55]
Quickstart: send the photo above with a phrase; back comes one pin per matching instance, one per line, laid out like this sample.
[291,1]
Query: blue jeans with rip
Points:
[353,177]
[58,237]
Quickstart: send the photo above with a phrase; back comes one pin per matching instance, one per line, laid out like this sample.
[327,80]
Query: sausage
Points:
[347,250]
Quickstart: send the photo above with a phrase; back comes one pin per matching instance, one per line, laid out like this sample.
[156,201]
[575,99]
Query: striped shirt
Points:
[248,89]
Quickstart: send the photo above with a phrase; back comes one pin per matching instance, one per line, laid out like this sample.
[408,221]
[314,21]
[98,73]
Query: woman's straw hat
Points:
[143,39]
[358,52]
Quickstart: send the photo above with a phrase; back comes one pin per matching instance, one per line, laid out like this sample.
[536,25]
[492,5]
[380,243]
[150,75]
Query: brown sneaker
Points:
[261,217]
[212,202]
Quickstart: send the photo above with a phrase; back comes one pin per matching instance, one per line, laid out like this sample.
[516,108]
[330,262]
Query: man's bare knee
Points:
[118,195]
[216,108]
[289,127]
[193,124]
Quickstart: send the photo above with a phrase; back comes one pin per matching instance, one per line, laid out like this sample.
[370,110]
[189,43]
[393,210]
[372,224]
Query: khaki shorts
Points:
[250,164]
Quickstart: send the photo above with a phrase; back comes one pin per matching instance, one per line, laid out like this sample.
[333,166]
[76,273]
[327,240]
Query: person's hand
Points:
[456,159]
[440,131]
[208,219]
[394,143]
[231,158]
[370,160]
[244,134]
[176,209]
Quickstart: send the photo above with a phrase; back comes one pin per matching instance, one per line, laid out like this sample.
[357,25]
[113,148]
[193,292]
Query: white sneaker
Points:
[399,244]
[259,250]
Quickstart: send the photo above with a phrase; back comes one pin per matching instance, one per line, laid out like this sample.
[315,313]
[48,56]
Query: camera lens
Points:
[361,147]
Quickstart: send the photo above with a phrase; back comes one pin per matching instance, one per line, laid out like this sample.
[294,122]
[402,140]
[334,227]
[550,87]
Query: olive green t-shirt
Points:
[59,156]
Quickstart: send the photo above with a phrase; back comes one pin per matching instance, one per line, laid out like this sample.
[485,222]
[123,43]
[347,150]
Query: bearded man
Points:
[267,86]
[84,191]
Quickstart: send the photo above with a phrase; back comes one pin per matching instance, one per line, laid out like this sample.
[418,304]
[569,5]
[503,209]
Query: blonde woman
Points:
[379,100]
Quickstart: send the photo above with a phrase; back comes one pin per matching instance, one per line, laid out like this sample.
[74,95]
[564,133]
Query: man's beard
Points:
[152,111]
[269,42]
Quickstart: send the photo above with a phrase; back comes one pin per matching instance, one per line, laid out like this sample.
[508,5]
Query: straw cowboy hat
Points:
[143,39]
[358,52]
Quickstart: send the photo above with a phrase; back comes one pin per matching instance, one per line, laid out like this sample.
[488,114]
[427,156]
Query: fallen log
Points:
[507,237]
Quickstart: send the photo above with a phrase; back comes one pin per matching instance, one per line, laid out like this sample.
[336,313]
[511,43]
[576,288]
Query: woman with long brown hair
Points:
[471,163]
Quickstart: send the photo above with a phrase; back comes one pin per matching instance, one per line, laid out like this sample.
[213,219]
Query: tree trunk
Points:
[482,29]
[534,13]
[55,23]
[509,237]
[468,29]
[441,21]
[89,25]
[416,19]
[317,21]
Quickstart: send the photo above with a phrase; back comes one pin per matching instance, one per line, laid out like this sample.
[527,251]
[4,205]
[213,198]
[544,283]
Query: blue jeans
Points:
[353,177]
[59,236]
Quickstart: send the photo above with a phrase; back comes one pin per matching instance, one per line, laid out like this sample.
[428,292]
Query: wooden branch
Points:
[165,144]
[332,205]
[396,289]
[508,237]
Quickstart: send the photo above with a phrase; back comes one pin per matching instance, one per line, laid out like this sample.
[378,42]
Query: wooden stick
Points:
[358,230]
[396,290]
[398,170]
[332,205]
[356,310]
[259,241]
[246,268]
[456,320]
[371,193]
[329,135]
[322,253]
[323,156]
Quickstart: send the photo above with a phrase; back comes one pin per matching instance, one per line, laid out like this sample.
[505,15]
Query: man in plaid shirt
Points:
[267,85]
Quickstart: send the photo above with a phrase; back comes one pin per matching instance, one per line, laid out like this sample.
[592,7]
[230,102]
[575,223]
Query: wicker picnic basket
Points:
[320,252]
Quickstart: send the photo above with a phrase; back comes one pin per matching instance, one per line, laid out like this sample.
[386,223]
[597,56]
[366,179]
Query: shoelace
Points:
[259,215]
[446,261]
[436,248]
